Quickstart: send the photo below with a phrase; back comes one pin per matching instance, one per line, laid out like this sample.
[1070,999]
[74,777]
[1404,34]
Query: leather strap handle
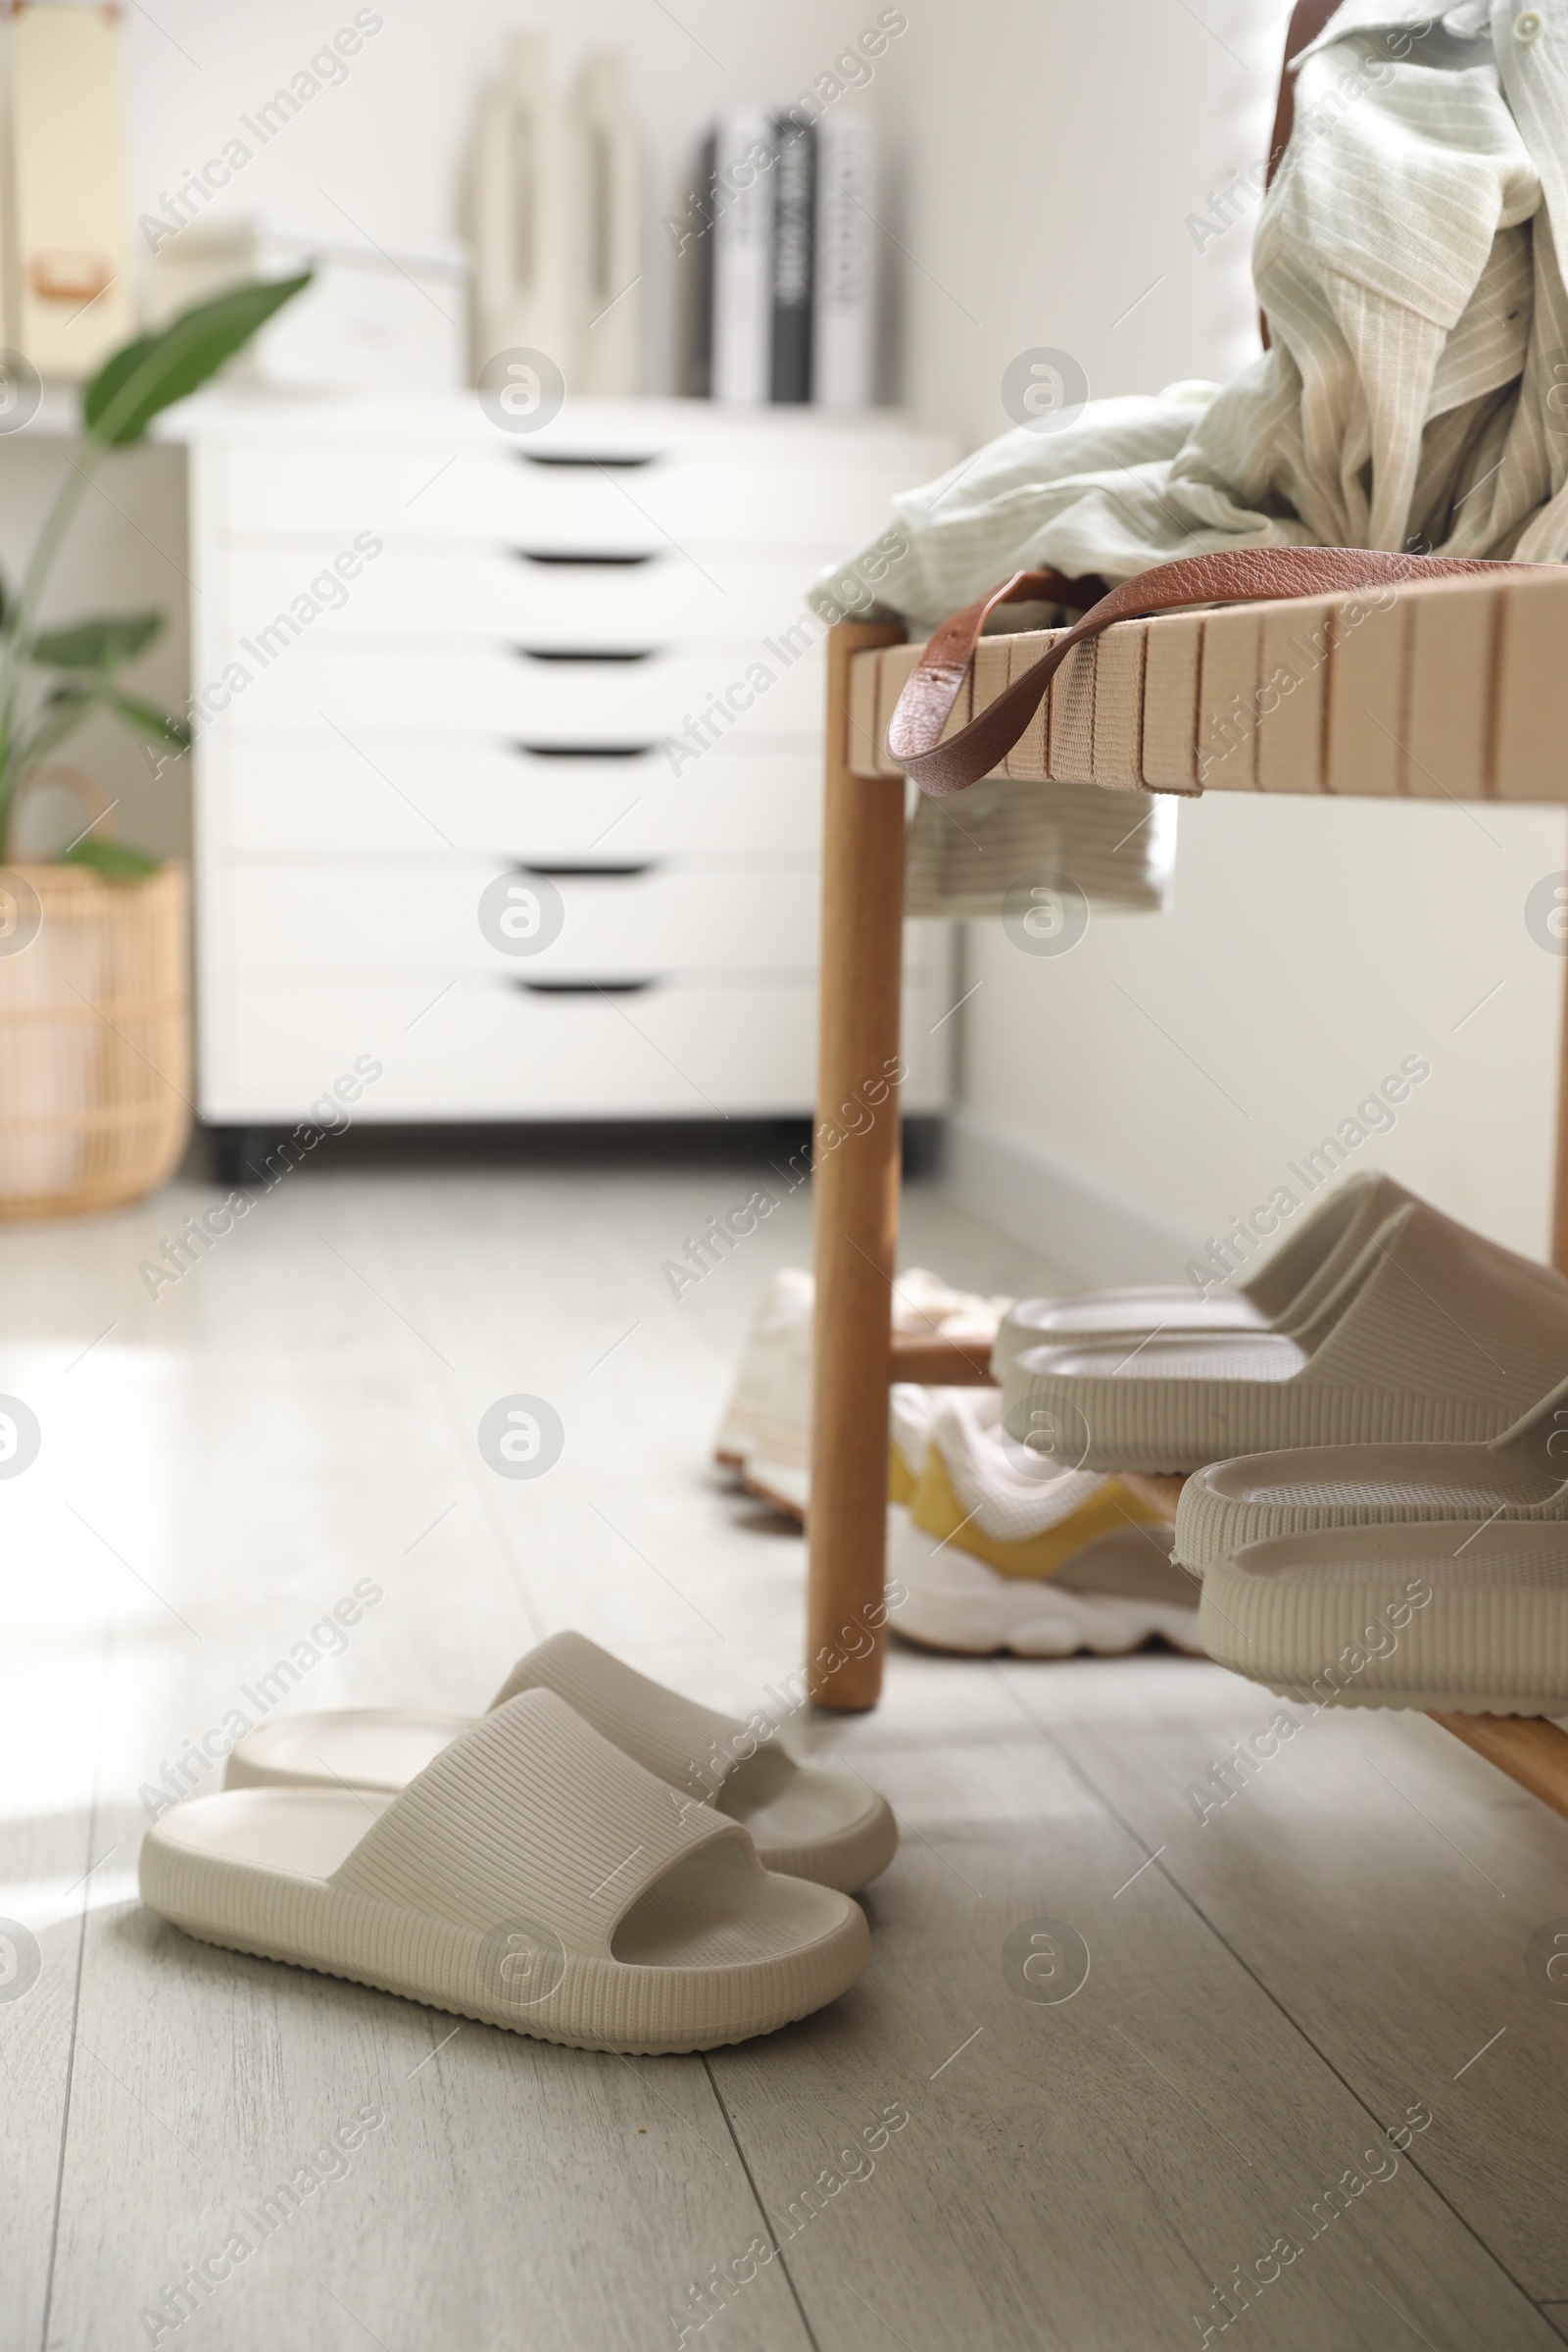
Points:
[1236,576]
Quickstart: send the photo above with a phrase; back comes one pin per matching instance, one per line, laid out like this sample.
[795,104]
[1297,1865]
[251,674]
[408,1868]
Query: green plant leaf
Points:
[116,861]
[102,643]
[153,371]
[63,708]
[148,719]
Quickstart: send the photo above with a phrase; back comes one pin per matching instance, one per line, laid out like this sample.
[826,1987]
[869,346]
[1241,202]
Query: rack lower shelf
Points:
[1530,1750]
[1527,1748]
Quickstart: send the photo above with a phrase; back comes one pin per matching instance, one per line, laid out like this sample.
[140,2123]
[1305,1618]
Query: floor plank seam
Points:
[751,2180]
[104,1669]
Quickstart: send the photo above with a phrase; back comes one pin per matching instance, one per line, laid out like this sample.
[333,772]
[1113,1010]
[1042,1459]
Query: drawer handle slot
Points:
[530,555]
[586,751]
[620,464]
[585,652]
[574,869]
[585,987]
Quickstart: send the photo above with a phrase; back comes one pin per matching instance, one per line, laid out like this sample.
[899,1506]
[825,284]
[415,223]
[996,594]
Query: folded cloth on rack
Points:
[967,852]
[1408,263]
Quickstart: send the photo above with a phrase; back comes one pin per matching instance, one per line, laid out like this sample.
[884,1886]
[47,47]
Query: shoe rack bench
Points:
[1447,689]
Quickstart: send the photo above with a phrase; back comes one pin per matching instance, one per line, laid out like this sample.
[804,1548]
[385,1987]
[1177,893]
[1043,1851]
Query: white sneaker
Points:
[955,1602]
[994,1550]
[770,1424]
[786,1303]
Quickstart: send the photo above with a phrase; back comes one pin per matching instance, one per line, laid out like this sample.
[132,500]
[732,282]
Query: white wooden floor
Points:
[1340,1948]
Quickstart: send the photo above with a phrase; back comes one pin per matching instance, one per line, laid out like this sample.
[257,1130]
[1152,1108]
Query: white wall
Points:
[1125,1101]
[1047,153]
[382,154]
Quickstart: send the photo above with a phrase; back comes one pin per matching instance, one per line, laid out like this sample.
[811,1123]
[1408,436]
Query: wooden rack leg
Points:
[855,1203]
[1559,1213]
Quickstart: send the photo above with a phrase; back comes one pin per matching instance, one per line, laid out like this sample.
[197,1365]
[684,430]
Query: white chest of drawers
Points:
[508,635]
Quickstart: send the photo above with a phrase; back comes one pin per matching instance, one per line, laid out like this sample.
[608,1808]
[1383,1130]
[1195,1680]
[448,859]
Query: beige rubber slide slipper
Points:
[1467,1619]
[1284,1294]
[807,1823]
[531,1877]
[1449,1337]
[1518,1475]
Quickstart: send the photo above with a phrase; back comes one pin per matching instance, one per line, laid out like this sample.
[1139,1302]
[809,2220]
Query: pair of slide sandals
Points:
[1284,1294]
[1305,1555]
[594,1861]
[1432,1333]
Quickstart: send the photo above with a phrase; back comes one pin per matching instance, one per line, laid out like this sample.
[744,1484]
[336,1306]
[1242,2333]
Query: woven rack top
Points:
[1444,689]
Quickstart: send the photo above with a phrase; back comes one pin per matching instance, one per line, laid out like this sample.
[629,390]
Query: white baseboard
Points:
[1074,1222]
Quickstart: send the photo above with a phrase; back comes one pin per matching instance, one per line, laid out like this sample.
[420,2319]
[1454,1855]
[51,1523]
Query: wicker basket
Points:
[94,1037]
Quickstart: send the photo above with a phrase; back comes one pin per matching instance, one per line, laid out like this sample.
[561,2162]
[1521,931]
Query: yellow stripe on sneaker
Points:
[935,1508]
[901,1481]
